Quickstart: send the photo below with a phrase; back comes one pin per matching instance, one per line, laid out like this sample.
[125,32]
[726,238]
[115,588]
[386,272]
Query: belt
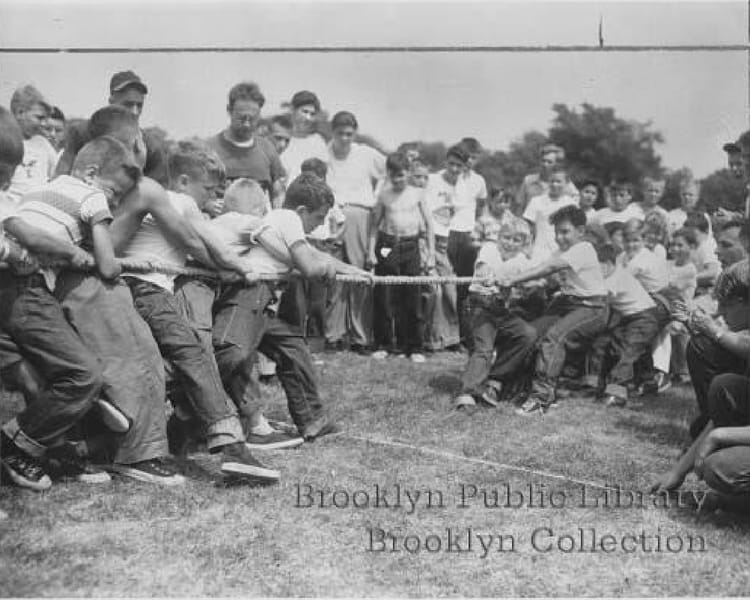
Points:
[395,239]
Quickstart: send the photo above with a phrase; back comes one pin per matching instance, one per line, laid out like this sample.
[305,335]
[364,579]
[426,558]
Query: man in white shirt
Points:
[304,142]
[536,184]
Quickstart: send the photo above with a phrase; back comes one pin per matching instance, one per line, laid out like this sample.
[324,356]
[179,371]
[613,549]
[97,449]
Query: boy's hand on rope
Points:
[81,260]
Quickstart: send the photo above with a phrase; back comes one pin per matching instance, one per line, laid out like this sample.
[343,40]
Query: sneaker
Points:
[491,392]
[319,428]
[464,402]
[615,401]
[113,417]
[65,462]
[273,441]
[380,354]
[417,358]
[26,471]
[532,406]
[238,460]
[154,470]
[360,349]
[662,382]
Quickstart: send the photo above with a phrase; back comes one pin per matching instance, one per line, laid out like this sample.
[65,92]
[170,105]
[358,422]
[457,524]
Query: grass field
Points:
[127,538]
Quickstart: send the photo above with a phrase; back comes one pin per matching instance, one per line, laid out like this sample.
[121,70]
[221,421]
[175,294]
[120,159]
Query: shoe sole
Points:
[125,471]
[42,485]
[292,443]
[254,471]
[113,418]
[93,478]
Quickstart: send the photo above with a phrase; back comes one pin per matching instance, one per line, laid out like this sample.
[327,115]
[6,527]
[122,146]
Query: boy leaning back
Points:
[576,316]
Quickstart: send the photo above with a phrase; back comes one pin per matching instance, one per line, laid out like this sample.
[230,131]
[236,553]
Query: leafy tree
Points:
[673,180]
[722,189]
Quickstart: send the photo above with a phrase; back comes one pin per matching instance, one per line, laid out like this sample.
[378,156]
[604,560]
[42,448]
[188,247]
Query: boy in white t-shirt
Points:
[589,199]
[653,190]
[703,255]
[576,316]
[630,333]
[539,211]
[493,325]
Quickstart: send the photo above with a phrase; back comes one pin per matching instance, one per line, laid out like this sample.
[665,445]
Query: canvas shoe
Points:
[275,440]
[417,358]
[238,460]
[380,354]
[532,406]
[26,471]
[318,428]
[154,470]
[491,392]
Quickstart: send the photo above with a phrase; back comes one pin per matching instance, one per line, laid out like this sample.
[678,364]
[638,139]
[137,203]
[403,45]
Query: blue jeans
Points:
[242,325]
[34,321]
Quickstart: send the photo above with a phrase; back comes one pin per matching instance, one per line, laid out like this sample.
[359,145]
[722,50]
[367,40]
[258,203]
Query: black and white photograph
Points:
[374,299]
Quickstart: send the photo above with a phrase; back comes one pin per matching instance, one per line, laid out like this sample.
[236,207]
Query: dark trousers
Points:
[195,367]
[569,325]
[35,322]
[706,359]
[629,337]
[398,320]
[493,328]
[727,470]
[243,325]
[462,255]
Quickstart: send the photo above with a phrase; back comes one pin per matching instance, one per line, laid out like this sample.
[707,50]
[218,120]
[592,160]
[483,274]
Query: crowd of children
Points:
[576,287]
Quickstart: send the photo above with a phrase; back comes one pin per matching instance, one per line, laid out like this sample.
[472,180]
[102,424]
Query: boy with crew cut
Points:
[253,317]
[399,214]
[71,212]
[191,185]
[576,316]
[621,209]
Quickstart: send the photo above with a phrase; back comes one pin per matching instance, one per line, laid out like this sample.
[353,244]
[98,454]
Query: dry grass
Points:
[131,539]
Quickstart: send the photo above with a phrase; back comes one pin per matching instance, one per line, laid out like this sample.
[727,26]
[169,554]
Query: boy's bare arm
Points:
[104,252]
[430,231]
[39,241]
[378,212]
[552,265]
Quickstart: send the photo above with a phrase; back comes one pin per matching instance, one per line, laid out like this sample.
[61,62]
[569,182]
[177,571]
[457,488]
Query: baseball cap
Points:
[305,97]
[731,148]
[124,79]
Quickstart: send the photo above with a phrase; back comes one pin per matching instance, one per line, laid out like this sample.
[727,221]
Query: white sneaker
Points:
[418,358]
[379,354]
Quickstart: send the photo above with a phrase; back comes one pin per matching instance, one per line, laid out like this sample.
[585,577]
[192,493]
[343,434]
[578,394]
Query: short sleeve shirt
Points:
[257,161]
[583,277]
[285,229]
[470,188]
[352,178]
[440,197]
[626,294]
[647,268]
[538,212]
[36,169]
[607,215]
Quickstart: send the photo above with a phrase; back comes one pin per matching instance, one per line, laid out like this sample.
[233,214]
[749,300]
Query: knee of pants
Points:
[728,395]
[722,475]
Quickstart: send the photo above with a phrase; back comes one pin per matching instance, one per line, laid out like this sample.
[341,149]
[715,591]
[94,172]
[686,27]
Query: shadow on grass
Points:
[449,383]
[665,434]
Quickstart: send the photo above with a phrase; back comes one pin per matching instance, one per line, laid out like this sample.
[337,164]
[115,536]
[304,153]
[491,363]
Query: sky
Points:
[697,99]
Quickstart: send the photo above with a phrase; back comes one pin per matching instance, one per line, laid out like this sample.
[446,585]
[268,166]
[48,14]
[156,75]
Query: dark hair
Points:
[305,97]
[739,223]
[593,183]
[472,145]
[744,227]
[621,185]
[397,163]
[310,191]
[284,121]
[110,155]
[109,119]
[11,146]
[458,151]
[316,166]
[247,90]
[606,253]
[572,214]
[344,119]
[56,114]
[697,220]
[688,234]
[596,234]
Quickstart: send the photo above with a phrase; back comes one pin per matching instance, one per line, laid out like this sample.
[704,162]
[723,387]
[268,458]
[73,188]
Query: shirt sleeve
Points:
[577,256]
[94,209]
[482,191]
[378,165]
[289,227]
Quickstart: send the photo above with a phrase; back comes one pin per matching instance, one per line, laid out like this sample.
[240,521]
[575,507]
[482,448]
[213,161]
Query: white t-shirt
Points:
[470,188]
[583,277]
[352,178]
[704,254]
[627,295]
[236,230]
[647,268]
[684,278]
[299,150]
[440,197]
[150,243]
[284,229]
[489,255]
[538,212]
[36,169]
[607,215]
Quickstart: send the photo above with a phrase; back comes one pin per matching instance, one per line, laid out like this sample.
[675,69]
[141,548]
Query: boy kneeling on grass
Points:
[574,317]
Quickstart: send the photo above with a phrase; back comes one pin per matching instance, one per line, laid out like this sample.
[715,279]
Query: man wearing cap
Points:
[31,111]
[127,90]
[734,158]
[305,142]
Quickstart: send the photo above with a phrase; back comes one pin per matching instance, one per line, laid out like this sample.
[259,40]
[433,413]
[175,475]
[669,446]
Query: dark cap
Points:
[125,79]
[731,148]
[304,98]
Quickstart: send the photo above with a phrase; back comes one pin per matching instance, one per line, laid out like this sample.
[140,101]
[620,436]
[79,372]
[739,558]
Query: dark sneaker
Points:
[26,471]
[155,470]
[66,463]
[319,428]
[238,460]
[273,441]
[532,406]
[113,417]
